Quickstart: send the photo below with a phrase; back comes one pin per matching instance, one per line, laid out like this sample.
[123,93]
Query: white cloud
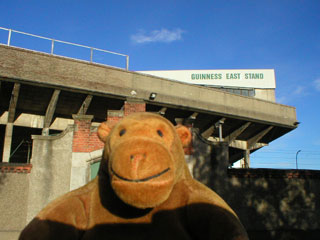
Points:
[293,93]
[299,90]
[282,100]
[316,83]
[163,35]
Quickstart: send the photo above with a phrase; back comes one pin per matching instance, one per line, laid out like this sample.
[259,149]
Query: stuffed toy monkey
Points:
[143,191]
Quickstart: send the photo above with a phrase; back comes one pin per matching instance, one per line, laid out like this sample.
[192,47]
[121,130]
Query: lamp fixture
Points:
[152,96]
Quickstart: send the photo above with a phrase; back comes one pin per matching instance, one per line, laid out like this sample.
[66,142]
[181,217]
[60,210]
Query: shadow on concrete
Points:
[271,203]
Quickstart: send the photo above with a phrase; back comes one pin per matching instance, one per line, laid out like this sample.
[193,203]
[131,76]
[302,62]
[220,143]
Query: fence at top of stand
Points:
[53,41]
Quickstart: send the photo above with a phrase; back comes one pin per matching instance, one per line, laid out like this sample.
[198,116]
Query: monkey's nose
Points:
[137,157]
[135,160]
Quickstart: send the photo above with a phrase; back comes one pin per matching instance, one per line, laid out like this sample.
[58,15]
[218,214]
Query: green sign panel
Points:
[94,169]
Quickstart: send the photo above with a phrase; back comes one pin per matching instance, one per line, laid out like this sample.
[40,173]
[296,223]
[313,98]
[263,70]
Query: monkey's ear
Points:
[184,135]
[103,131]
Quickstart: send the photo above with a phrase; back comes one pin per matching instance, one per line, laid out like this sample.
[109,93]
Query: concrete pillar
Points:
[247,158]
[245,161]
[51,169]
[10,120]
[7,142]
[45,131]
[220,132]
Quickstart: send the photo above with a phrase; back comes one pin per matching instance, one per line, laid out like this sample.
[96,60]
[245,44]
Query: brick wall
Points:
[15,168]
[114,116]
[85,137]
[134,106]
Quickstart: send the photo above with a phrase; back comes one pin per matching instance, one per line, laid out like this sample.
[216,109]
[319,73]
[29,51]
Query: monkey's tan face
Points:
[141,165]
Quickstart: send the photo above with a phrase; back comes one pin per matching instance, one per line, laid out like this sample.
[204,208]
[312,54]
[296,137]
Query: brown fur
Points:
[143,191]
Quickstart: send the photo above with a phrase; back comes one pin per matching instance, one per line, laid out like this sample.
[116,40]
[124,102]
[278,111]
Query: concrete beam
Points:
[13,102]
[207,133]
[162,111]
[240,144]
[252,141]
[237,132]
[193,116]
[49,113]
[75,75]
[9,126]
[7,142]
[179,121]
[36,121]
[85,105]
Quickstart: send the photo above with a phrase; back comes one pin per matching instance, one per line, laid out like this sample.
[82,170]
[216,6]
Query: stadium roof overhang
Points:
[52,87]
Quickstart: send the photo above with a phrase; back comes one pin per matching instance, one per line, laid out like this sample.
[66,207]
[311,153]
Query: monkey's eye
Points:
[122,132]
[160,133]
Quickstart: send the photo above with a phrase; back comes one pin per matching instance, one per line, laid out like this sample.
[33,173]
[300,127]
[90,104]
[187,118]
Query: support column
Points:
[50,112]
[85,105]
[9,126]
[247,158]
[7,142]
[245,161]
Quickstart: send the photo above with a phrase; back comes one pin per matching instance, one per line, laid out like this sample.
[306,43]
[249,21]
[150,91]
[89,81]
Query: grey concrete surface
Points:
[9,235]
[40,68]
[271,203]
[50,175]
[80,171]
[13,203]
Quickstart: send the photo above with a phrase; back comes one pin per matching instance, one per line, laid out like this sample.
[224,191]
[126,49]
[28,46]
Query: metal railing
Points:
[17,148]
[53,41]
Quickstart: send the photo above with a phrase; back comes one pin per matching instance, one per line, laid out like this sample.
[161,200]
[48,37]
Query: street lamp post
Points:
[297,158]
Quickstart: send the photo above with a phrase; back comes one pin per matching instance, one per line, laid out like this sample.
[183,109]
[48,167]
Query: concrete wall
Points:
[81,167]
[13,204]
[265,94]
[50,175]
[34,67]
[271,203]
[56,169]
[23,195]
[282,204]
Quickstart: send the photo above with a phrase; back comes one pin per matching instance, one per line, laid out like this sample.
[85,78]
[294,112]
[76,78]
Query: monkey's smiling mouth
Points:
[140,180]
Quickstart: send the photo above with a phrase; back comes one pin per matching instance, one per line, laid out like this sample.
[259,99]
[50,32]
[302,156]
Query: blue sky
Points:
[225,34]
